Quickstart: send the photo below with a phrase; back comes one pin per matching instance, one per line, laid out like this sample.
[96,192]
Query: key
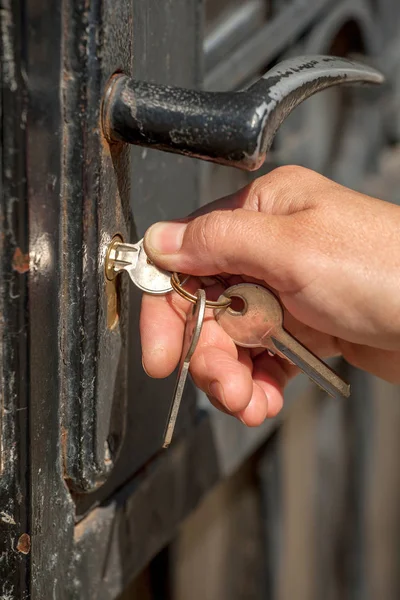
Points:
[259,324]
[133,259]
[194,324]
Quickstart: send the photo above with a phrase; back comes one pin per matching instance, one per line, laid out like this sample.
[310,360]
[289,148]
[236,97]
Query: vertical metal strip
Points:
[15,266]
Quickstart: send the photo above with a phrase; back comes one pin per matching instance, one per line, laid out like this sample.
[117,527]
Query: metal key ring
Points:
[176,284]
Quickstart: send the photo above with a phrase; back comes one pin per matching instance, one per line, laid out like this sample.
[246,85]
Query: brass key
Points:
[194,324]
[260,325]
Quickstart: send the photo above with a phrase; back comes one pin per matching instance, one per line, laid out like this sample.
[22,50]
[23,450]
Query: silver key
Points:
[194,324]
[133,259]
[260,325]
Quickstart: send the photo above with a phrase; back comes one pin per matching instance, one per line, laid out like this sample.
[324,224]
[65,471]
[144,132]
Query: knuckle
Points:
[216,237]
[287,171]
[288,189]
[274,192]
[293,173]
[282,176]
[254,193]
[286,176]
[208,232]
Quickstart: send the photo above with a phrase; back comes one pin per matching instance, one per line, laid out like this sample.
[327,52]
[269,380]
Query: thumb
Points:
[242,242]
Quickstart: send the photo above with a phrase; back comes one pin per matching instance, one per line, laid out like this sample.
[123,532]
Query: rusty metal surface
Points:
[155,195]
[15,263]
[78,198]
[50,536]
[95,207]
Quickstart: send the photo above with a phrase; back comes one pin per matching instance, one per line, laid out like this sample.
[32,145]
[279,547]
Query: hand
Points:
[331,254]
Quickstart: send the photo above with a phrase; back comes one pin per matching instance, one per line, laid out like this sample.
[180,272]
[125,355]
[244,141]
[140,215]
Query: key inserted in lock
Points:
[133,259]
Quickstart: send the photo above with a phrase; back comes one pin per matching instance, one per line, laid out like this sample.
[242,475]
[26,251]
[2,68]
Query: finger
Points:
[222,376]
[162,323]
[224,240]
[272,374]
[251,401]
[256,411]
[237,242]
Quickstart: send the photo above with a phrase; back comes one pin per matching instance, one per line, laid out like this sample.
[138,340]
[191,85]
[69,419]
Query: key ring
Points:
[176,284]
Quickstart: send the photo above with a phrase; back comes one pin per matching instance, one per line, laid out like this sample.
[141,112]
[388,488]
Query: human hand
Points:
[332,255]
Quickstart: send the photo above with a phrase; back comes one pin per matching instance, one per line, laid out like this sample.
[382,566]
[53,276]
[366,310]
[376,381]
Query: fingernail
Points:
[165,237]
[215,389]
[144,368]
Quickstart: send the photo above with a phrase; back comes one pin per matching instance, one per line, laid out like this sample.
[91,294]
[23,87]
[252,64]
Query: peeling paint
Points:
[24,543]
[7,593]
[6,518]
[8,62]
[229,128]
[20,261]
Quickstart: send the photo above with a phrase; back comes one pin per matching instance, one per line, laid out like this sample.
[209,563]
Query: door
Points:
[79,418]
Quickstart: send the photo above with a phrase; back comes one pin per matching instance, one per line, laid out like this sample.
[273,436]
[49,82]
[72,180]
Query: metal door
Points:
[79,418]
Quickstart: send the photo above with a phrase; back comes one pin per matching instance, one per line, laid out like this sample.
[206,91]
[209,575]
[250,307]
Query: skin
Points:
[331,254]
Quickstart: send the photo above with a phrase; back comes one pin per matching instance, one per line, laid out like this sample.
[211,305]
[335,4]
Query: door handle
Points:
[230,128]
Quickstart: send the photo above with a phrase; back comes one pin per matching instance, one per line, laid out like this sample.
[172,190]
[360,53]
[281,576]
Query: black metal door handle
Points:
[231,128]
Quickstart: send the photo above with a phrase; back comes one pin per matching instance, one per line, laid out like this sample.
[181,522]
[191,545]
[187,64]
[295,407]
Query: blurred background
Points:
[308,506]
